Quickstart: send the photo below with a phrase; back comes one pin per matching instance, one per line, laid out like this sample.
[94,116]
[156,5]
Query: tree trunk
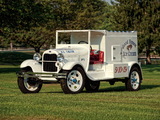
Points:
[148,57]
[11,46]
[37,50]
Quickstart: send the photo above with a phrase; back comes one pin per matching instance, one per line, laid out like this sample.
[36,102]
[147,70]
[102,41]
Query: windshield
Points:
[73,38]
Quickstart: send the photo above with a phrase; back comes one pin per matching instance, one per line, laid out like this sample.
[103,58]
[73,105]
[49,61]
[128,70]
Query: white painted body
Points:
[120,54]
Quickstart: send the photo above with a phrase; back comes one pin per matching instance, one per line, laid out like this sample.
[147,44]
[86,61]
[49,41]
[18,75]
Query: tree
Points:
[21,15]
[24,18]
[77,14]
[89,14]
[36,37]
[107,20]
[142,16]
[10,18]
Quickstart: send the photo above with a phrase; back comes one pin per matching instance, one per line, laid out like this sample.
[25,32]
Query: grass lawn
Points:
[110,103]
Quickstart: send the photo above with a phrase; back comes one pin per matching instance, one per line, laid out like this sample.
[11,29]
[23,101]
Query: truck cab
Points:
[83,58]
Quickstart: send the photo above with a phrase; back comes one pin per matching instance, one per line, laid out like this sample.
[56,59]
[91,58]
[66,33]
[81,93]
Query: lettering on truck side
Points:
[67,51]
[120,69]
[128,45]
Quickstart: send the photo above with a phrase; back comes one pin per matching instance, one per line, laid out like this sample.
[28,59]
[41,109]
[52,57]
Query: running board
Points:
[97,75]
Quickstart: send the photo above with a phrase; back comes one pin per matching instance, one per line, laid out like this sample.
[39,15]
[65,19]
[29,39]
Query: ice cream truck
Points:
[83,58]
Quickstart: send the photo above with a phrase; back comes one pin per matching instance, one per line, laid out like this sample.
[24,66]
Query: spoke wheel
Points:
[29,85]
[74,83]
[134,81]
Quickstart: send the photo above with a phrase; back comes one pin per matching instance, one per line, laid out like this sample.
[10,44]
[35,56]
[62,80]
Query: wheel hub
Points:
[30,84]
[134,80]
[74,80]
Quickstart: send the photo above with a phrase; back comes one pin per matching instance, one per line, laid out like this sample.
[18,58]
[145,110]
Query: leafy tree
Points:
[89,14]
[107,20]
[157,47]
[33,20]
[21,15]
[9,14]
[77,14]
[142,16]
[36,37]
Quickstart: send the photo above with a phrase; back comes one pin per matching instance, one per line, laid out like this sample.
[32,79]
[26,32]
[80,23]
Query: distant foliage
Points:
[34,22]
[142,16]
[13,57]
[36,37]
[21,15]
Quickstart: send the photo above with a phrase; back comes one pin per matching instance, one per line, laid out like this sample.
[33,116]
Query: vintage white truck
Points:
[83,58]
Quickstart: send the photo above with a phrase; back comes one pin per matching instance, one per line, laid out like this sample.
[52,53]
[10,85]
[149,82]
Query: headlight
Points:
[37,56]
[60,57]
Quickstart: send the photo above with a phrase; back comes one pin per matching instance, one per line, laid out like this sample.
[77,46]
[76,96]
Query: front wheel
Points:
[74,82]
[29,85]
[133,83]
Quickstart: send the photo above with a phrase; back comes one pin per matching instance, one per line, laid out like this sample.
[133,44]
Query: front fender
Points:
[35,66]
[70,65]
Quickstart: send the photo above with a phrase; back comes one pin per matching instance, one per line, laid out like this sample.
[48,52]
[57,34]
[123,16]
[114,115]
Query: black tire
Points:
[29,85]
[92,86]
[74,82]
[133,83]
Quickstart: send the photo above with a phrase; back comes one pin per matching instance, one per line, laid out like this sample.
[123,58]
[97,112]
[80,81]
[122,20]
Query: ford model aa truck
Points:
[83,58]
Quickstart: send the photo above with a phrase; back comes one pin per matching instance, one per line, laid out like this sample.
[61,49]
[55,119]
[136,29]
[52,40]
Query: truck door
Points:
[116,52]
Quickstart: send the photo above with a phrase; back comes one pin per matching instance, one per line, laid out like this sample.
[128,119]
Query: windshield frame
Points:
[72,31]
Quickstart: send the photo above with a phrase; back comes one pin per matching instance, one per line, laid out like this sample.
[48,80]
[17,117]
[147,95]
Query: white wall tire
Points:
[133,83]
[29,85]
[74,82]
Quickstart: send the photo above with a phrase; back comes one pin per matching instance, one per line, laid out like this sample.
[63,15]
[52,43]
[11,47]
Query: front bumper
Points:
[42,76]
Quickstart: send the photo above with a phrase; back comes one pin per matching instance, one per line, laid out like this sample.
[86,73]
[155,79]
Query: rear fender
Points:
[34,65]
[137,66]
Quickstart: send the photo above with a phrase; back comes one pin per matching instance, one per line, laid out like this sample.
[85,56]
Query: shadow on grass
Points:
[122,88]
[53,92]
[149,86]
[113,89]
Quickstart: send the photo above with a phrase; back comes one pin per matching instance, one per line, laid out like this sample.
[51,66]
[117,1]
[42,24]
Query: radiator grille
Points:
[50,57]
[49,62]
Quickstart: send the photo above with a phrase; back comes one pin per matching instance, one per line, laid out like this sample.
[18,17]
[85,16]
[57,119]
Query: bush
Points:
[14,57]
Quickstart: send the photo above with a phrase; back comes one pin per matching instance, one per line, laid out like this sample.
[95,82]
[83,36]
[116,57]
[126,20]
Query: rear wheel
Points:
[92,86]
[28,84]
[133,83]
[75,81]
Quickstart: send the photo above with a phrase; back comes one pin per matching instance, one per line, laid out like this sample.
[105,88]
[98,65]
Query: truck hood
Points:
[70,51]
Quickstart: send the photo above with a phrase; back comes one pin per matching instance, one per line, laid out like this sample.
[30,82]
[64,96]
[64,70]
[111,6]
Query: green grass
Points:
[110,103]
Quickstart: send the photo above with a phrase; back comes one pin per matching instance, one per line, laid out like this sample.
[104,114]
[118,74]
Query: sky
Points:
[108,0]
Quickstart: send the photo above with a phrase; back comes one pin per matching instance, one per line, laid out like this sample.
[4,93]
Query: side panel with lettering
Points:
[129,50]
[120,70]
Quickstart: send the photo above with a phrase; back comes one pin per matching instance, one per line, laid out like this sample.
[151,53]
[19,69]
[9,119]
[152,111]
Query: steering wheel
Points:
[82,42]
[85,43]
